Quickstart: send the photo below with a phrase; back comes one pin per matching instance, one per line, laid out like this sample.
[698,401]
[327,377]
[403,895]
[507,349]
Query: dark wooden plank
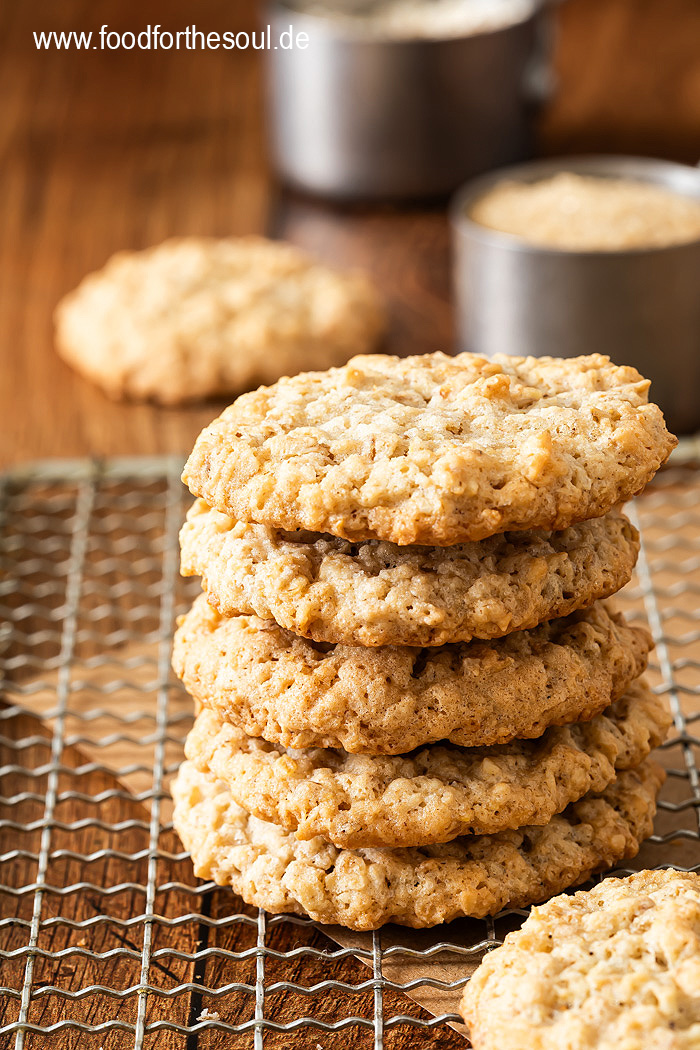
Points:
[104,151]
[102,911]
[73,971]
[629,79]
[405,250]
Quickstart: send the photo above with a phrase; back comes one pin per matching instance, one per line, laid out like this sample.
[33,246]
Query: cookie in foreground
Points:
[615,968]
[197,317]
[433,449]
[391,699]
[376,593]
[434,794]
[363,889]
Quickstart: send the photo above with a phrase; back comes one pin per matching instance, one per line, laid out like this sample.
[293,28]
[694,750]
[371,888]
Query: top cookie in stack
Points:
[433,450]
[409,554]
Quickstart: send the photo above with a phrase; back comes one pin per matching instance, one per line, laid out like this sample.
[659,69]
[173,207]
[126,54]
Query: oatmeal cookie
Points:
[362,889]
[197,317]
[612,968]
[434,794]
[434,449]
[391,699]
[376,593]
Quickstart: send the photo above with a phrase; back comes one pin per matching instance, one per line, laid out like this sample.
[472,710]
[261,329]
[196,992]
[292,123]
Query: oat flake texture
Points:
[362,889]
[434,449]
[612,968]
[197,317]
[390,699]
[375,593]
[434,794]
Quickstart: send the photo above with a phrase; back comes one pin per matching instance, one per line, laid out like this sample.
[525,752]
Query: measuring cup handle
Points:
[539,79]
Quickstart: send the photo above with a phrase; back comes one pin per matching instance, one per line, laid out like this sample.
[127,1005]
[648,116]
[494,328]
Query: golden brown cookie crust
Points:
[391,699]
[197,317]
[614,967]
[433,450]
[363,889]
[435,794]
[376,593]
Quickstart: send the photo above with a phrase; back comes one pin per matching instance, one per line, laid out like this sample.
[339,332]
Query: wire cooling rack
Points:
[106,937]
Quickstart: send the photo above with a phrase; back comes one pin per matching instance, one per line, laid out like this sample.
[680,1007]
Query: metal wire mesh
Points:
[106,936]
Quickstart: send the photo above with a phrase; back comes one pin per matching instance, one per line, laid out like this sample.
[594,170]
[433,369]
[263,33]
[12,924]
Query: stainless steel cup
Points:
[641,306]
[367,118]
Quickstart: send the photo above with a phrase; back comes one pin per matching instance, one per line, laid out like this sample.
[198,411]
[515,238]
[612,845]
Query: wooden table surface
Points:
[109,150]
[102,151]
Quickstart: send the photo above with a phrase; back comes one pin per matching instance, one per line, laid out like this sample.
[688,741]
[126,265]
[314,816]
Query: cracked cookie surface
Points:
[434,794]
[391,699]
[197,317]
[376,593]
[434,449]
[362,889]
[615,968]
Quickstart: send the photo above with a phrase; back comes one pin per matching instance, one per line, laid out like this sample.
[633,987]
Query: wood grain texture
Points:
[629,79]
[103,151]
[108,150]
[104,935]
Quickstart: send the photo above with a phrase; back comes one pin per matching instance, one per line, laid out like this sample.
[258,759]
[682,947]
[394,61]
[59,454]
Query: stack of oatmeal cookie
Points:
[416,703]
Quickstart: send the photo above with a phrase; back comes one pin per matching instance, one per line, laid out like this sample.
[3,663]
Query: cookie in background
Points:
[195,318]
